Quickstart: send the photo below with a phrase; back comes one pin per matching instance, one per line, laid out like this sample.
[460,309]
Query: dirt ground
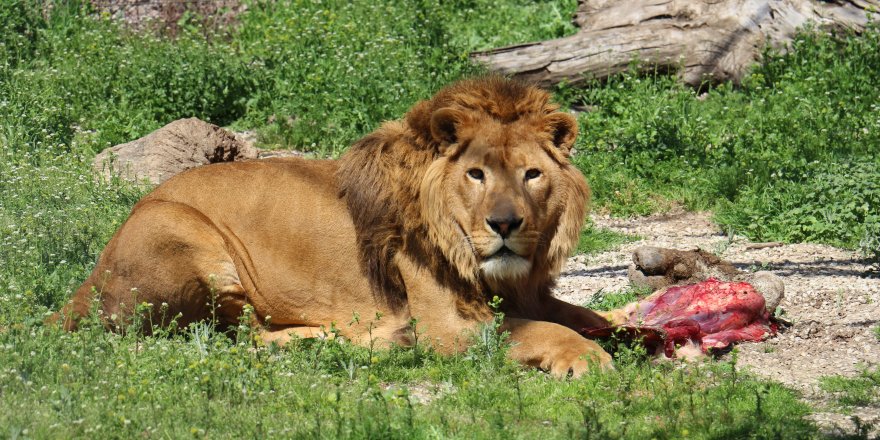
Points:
[832,299]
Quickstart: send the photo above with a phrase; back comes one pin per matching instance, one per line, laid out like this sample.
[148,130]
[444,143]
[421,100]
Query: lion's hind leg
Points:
[172,260]
[78,307]
[286,334]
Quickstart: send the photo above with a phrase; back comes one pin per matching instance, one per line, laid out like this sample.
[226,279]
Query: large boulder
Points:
[178,146]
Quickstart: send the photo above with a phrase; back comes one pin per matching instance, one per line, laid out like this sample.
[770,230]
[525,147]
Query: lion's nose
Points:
[503,226]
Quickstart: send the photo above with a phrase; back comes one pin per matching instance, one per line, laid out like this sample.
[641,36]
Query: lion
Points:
[470,196]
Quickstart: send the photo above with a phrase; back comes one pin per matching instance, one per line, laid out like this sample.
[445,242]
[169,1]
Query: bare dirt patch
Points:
[832,299]
[170,15]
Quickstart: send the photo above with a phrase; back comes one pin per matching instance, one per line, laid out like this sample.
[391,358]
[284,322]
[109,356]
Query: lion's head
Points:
[477,179]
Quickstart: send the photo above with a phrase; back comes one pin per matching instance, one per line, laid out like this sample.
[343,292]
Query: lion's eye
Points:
[476,173]
[533,174]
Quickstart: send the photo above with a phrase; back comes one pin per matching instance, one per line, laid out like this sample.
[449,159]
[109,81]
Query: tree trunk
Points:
[703,40]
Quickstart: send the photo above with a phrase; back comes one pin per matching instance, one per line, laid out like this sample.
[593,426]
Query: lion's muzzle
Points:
[504,226]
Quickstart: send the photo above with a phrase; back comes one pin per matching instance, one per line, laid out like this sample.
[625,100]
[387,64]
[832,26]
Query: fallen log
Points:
[702,40]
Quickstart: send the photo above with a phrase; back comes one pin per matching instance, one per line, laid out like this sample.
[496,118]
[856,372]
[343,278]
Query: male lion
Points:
[471,195]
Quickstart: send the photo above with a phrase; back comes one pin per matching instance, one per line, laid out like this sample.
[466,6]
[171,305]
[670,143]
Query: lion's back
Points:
[249,181]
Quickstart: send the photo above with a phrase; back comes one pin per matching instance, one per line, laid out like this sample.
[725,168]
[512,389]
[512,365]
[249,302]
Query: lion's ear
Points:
[563,127]
[444,123]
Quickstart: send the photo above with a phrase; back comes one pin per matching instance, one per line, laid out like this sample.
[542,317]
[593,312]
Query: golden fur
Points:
[470,196]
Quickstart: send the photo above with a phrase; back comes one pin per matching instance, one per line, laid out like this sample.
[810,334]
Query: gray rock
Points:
[178,146]
[769,285]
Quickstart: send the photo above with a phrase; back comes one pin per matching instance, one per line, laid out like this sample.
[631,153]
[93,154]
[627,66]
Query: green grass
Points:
[613,300]
[862,390]
[791,155]
[594,240]
[96,384]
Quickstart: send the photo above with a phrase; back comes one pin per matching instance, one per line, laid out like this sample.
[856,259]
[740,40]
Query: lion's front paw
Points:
[577,358]
[571,355]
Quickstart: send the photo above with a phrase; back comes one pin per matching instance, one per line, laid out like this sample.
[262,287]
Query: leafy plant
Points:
[756,153]
[20,24]
[834,203]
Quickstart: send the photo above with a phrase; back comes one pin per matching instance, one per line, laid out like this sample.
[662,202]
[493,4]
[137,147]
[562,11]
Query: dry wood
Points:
[770,244]
[704,40]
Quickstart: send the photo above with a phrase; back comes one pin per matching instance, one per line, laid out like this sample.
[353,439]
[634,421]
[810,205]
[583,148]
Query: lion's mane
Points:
[381,179]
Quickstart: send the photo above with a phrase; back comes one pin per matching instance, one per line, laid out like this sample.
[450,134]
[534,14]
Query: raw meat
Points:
[710,314]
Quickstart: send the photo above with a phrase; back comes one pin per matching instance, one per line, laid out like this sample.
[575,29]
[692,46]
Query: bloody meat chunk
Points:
[710,314]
